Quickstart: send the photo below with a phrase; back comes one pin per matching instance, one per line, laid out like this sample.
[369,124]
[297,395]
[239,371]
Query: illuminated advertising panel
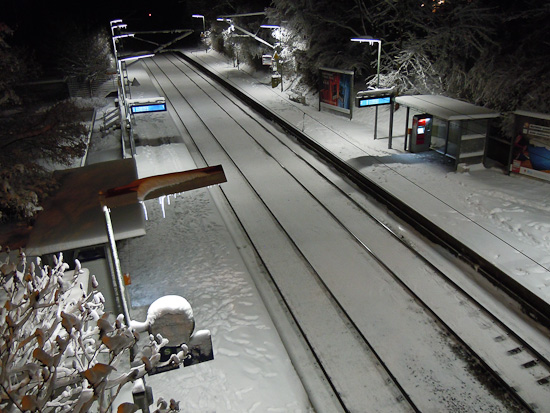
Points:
[336,89]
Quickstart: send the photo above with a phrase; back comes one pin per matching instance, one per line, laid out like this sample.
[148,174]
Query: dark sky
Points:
[41,26]
[36,20]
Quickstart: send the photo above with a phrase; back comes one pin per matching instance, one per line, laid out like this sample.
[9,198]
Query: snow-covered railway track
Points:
[386,327]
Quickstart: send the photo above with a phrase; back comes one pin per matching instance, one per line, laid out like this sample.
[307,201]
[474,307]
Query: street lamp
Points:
[115,25]
[203,33]
[200,16]
[127,112]
[370,41]
[277,47]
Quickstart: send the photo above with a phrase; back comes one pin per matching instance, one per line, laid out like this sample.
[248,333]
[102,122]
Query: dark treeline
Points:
[490,52]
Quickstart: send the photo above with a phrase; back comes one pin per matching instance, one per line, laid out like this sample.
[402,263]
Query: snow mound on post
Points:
[172,317]
[169,304]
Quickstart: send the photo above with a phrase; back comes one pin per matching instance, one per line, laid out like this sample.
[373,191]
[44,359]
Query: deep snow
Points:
[191,252]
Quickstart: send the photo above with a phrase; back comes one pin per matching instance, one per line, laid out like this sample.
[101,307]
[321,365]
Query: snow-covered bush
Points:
[59,350]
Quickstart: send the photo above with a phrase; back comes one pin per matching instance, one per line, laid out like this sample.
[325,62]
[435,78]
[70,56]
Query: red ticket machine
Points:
[421,133]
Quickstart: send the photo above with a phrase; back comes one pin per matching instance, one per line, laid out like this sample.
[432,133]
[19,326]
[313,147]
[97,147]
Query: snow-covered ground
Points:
[201,261]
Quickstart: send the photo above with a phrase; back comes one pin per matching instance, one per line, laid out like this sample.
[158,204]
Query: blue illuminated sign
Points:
[160,107]
[362,102]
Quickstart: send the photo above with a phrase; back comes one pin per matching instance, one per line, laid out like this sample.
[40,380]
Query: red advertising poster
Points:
[336,89]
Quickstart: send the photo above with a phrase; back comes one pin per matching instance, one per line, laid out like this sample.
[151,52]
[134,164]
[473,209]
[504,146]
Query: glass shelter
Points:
[459,129]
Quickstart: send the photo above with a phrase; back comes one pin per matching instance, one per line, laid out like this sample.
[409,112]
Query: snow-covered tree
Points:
[29,139]
[28,136]
[85,55]
[59,350]
[488,52]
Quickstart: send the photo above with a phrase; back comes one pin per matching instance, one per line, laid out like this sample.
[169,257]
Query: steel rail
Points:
[494,374]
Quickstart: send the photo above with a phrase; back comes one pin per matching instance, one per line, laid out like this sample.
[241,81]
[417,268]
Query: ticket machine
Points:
[421,133]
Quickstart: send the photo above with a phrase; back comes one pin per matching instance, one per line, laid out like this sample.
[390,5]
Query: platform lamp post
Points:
[141,190]
[370,41]
[116,24]
[200,16]
[127,113]
[203,33]
[277,48]
[120,87]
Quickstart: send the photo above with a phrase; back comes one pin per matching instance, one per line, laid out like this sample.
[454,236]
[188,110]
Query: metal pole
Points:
[378,65]
[118,279]
[378,87]
[281,76]
[376,122]
[407,127]
[392,103]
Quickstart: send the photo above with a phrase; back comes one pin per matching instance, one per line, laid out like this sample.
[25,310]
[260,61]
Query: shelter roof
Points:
[446,108]
[73,217]
[537,115]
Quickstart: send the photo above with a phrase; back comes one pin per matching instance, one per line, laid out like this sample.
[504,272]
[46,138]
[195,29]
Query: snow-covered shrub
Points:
[59,351]
[410,73]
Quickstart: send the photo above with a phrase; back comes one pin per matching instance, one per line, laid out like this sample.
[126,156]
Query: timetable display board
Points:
[157,107]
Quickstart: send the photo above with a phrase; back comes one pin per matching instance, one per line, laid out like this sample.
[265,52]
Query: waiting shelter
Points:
[458,129]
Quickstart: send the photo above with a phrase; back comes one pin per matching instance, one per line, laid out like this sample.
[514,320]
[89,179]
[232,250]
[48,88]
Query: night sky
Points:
[41,25]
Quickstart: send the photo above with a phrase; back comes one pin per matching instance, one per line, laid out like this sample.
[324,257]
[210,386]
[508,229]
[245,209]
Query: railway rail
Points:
[429,345]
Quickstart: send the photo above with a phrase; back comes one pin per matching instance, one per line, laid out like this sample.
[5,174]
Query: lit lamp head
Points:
[129,58]
[365,39]
[200,16]
[121,36]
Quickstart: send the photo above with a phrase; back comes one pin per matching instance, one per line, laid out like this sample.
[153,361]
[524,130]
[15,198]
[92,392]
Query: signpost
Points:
[160,107]
[363,102]
[155,104]
[375,98]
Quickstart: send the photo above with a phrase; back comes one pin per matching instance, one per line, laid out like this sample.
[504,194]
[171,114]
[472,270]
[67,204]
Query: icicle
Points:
[144,210]
[161,202]
[168,199]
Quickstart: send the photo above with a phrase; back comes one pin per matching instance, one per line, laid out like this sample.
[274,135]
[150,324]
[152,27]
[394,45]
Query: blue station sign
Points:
[147,105]
[375,97]
[363,102]
[160,107]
